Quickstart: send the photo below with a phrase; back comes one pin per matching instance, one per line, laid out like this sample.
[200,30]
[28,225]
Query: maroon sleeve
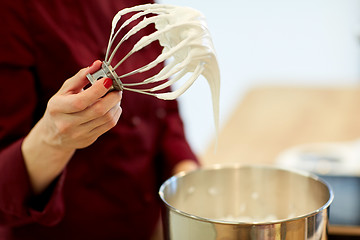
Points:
[175,145]
[17,205]
[18,103]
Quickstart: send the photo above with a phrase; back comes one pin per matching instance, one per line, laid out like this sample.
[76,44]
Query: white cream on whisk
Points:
[187,49]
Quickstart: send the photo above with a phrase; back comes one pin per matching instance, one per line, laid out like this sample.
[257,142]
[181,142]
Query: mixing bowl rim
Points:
[237,166]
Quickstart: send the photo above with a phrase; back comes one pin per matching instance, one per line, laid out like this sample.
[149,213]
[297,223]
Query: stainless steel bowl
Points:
[245,202]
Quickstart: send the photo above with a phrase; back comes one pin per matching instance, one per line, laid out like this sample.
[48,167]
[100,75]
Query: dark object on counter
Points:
[345,209]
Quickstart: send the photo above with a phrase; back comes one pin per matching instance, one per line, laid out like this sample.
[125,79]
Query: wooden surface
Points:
[271,119]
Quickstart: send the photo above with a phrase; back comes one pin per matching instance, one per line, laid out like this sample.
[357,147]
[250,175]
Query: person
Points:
[78,161]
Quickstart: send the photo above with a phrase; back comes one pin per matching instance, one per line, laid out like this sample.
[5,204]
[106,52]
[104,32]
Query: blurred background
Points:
[271,42]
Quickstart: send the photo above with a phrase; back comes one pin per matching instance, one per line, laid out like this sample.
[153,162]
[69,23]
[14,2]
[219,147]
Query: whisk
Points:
[188,51]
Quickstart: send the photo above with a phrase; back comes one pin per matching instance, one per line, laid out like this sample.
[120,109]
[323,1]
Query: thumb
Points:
[76,102]
[76,83]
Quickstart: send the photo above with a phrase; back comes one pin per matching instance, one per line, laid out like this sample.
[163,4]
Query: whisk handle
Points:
[106,71]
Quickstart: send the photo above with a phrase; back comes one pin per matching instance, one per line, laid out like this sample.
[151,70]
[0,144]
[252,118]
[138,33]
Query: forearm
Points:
[74,119]
[43,161]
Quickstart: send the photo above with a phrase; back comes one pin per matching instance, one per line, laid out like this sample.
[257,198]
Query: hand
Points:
[185,166]
[74,118]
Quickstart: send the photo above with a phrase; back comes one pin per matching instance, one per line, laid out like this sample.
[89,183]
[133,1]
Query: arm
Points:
[32,159]
[74,119]
[185,166]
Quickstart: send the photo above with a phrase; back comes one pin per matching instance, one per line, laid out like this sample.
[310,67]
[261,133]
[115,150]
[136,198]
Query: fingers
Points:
[76,83]
[80,101]
[77,117]
[106,122]
[100,107]
[88,132]
[77,99]
[101,123]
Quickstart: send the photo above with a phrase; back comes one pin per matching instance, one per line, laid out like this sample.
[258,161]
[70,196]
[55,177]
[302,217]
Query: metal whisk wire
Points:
[187,48]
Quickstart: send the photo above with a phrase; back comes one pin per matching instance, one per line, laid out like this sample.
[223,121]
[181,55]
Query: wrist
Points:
[43,160]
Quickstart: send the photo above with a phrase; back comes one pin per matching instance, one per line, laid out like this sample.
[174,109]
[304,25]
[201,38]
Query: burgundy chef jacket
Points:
[109,189]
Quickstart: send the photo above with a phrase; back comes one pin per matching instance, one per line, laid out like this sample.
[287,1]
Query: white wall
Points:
[308,42]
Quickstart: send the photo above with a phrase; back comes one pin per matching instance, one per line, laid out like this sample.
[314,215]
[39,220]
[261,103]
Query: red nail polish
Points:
[108,83]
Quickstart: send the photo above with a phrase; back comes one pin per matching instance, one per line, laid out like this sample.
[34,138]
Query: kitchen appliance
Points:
[338,164]
[245,202]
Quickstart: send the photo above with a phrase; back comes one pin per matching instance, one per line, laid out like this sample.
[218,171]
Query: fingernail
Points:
[108,83]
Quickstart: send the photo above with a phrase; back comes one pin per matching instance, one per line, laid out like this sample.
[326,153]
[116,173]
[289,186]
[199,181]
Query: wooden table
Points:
[269,120]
